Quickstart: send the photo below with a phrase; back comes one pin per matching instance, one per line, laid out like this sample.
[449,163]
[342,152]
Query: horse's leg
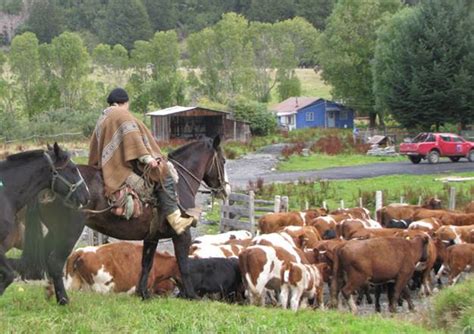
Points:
[148,255]
[6,272]
[6,227]
[181,249]
[59,242]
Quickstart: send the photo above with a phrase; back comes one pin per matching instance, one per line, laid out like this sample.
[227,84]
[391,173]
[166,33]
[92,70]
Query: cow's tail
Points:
[32,264]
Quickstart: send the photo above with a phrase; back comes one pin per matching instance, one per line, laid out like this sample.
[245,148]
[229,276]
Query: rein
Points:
[58,177]
[220,174]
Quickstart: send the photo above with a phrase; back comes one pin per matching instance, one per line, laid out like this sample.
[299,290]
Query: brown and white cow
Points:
[446,217]
[354,213]
[456,259]
[378,260]
[326,226]
[349,227]
[205,251]
[428,225]
[273,222]
[402,211]
[301,282]
[456,234]
[116,267]
[222,238]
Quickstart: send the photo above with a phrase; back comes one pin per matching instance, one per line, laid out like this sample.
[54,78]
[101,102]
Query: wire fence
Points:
[68,136]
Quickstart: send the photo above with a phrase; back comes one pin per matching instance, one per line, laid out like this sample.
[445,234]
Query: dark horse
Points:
[198,161]
[22,177]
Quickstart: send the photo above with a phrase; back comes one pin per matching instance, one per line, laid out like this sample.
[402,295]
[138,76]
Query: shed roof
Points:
[292,104]
[179,109]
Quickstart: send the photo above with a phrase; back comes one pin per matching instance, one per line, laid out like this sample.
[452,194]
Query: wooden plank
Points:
[264,202]
[239,197]
[235,224]
[252,212]
[272,210]
[239,210]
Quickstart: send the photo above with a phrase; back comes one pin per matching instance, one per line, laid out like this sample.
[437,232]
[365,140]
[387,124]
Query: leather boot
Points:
[180,223]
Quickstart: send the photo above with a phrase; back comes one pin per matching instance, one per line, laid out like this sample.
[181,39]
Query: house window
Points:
[291,120]
[343,115]
[309,116]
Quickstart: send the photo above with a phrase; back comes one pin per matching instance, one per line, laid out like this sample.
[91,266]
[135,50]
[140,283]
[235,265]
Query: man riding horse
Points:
[122,146]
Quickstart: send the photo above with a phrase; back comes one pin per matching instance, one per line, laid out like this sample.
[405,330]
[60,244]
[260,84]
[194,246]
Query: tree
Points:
[25,65]
[270,10]
[45,20]
[424,65]
[163,14]
[315,12]
[346,50]
[126,21]
[68,60]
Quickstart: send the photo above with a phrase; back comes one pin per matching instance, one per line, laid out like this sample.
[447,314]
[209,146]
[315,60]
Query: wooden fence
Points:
[241,211]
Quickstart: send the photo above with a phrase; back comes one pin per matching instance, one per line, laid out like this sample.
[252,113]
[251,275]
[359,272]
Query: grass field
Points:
[321,161]
[24,309]
[393,186]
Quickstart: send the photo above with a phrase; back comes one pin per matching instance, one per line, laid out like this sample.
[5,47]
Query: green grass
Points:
[312,84]
[393,186]
[453,307]
[24,309]
[321,161]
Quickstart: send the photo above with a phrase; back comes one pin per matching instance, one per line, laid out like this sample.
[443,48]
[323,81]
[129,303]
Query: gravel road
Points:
[262,164]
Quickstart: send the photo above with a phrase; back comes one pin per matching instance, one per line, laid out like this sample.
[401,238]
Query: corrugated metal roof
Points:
[169,111]
[292,105]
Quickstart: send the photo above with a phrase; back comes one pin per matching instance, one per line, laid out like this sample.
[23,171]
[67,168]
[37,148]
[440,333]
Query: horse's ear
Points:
[217,142]
[57,149]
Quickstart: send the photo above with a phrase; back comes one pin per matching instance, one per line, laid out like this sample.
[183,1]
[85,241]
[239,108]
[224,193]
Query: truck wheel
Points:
[454,159]
[470,156]
[414,158]
[433,157]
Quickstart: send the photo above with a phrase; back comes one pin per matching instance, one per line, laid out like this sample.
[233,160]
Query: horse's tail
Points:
[33,262]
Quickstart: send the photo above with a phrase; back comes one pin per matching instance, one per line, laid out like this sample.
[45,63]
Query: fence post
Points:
[452,198]
[306,205]
[361,204]
[284,204]
[90,236]
[325,205]
[224,214]
[402,199]
[277,205]
[378,202]
[252,212]
[342,204]
[419,200]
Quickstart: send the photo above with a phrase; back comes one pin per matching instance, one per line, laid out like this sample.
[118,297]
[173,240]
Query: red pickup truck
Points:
[432,146]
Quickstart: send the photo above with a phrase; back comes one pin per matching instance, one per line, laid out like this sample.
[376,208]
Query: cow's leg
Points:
[148,255]
[378,292]
[285,295]
[391,299]
[406,295]
[181,249]
[296,294]
[400,284]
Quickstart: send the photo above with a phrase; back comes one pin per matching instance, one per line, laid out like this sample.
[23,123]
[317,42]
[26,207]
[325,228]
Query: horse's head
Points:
[66,180]
[216,176]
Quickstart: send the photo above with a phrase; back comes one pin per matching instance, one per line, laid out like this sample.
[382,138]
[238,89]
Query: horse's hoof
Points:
[145,294]
[63,301]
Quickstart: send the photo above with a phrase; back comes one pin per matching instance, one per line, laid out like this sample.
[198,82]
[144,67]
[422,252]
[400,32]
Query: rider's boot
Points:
[168,204]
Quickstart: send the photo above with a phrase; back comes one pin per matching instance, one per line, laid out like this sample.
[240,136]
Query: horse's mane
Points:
[25,155]
[185,148]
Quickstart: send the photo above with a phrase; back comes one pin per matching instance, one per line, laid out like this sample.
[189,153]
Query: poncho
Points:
[118,139]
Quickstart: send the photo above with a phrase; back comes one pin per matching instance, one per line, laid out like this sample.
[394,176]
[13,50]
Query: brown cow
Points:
[457,258]
[469,208]
[456,234]
[401,211]
[446,217]
[326,226]
[273,222]
[428,225]
[116,267]
[377,260]
[348,227]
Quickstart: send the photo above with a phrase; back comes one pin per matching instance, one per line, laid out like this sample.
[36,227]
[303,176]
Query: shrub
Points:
[262,122]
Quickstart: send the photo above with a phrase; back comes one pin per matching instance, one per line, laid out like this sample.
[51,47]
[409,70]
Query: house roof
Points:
[292,104]
[177,110]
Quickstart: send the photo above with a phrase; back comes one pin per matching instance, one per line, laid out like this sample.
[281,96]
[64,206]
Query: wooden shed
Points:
[193,122]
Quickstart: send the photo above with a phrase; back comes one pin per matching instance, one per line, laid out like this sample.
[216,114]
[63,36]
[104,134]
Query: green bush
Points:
[262,122]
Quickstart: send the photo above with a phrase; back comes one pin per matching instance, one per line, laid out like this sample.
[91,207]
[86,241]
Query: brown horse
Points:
[195,162]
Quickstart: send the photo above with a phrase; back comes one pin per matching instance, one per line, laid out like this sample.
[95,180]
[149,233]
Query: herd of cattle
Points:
[297,253]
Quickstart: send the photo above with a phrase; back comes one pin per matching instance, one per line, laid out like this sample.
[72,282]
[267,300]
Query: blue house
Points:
[312,112]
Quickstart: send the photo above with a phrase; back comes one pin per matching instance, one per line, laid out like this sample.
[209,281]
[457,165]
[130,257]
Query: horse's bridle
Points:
[220,175]
[58,177]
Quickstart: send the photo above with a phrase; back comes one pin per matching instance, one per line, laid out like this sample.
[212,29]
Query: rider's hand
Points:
[153,163]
